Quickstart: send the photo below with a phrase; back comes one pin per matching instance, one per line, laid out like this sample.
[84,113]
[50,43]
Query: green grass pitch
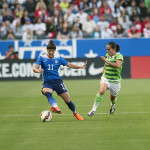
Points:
[21,103]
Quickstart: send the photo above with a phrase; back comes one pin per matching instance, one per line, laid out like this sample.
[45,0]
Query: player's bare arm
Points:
[117,64]
[36,69]
[70,65]
[103,69]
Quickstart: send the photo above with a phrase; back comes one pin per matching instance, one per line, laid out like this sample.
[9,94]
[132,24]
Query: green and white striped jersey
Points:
[111,73]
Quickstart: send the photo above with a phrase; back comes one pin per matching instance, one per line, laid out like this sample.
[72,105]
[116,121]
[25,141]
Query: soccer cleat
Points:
[55,110]
[112,109]
[91,113]
[78,116]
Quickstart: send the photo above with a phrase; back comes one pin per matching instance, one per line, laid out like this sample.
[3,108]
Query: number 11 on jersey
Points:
[50,67]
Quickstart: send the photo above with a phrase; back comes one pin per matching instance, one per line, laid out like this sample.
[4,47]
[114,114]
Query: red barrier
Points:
[140,67]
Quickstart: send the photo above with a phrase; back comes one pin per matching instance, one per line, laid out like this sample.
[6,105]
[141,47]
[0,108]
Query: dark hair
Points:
[114,46]
[10,46]
[51,45]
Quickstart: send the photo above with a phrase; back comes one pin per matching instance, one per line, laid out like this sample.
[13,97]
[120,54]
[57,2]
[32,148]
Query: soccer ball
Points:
[46,116]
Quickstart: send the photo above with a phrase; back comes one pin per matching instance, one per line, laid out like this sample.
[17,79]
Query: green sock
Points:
[98,99]
[114,102]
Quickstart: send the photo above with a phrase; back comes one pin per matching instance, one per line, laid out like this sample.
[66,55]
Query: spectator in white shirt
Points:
[27,35]
[107,33]
[76,32]
[82,16]
[146,31]
[39,27]
[16,19]
[18,29]
[88,26]
[111,4]
[69,16]
[27,24]
[95,4]
[21,1]
[125,22]
[102,23]
[123,13]
[117,10]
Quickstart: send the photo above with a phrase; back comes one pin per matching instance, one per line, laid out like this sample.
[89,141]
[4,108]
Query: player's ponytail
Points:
[117,48]
[114,46]
[51,45]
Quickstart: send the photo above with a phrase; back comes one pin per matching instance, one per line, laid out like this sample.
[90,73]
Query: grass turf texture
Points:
[21,103]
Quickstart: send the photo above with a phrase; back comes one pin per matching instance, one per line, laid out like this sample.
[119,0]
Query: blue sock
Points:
[50,98]
[72,106]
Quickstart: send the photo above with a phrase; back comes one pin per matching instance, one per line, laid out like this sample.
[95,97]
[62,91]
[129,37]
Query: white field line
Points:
[102,105]
[121,113]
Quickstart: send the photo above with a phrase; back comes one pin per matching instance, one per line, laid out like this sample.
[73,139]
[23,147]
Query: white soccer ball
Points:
[46,116]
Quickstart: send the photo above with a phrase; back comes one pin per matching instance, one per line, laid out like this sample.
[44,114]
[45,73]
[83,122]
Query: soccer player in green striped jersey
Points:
[111,78]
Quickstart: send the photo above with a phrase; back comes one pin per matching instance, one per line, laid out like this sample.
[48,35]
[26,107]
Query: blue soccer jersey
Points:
[50,66]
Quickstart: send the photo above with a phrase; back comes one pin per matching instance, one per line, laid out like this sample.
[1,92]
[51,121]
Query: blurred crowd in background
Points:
[67,19]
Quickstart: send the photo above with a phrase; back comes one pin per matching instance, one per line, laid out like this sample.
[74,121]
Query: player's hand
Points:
[84,65]
[41,70]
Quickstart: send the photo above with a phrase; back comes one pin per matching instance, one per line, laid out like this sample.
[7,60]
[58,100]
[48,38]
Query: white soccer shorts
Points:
[112,87]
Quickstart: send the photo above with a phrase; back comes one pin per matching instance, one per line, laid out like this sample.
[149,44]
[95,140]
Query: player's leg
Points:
[98,98]
[65,96]
[113,99]
[48,93]
[114,89]
[113,102]
[47,90]
[54,107]
[61,90]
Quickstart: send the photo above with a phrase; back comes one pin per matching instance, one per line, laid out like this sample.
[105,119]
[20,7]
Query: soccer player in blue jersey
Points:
[51,79]
[111,78]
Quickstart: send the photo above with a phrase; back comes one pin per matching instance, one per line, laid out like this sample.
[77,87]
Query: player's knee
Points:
[44,90]
[101,92]
[112,97]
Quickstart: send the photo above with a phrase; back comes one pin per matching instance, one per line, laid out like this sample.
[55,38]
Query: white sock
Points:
[98,99]
[95,105]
